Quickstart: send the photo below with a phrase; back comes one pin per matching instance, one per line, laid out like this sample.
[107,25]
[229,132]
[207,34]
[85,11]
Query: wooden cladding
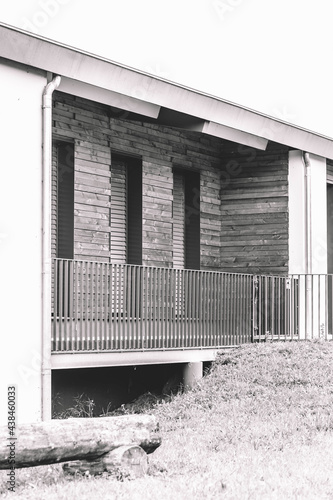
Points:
[98,135]
[254,210]
[237,207]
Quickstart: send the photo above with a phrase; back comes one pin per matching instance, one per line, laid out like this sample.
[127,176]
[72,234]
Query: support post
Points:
[192,374]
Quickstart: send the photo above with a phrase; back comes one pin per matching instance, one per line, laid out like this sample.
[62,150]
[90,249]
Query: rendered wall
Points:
[299,245]
[20,239]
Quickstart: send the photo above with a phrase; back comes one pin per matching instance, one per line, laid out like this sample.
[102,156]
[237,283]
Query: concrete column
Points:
[307,214]
[192,373]
[308,238]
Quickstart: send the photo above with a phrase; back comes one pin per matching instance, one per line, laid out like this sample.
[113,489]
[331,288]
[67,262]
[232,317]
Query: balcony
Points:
[113,307]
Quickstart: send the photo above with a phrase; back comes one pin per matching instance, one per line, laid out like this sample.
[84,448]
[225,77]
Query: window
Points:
[186,219]
[126,210]
[65,200]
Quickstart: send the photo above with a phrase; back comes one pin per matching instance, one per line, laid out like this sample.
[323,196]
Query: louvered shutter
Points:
[178,220]
[118,211]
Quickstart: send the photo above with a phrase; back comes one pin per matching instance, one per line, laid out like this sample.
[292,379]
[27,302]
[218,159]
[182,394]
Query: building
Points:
[136,214]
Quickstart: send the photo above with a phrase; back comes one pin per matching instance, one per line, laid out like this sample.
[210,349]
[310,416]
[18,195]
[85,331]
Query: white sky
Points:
[270,55]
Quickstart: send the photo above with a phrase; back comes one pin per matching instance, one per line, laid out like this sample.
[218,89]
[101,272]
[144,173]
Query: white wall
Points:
[20,239]
[308,241]
[297,215]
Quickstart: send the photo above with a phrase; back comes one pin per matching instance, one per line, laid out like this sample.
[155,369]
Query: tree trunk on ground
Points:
[76,438]
[124,462]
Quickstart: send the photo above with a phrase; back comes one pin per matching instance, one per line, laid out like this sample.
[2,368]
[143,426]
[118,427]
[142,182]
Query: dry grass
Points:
[259,426]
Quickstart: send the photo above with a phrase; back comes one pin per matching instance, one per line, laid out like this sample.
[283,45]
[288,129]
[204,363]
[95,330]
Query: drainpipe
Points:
[46,246]
[308,237]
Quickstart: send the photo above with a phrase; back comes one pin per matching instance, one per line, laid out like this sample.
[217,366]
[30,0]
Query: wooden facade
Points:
[235,218]
[254,215]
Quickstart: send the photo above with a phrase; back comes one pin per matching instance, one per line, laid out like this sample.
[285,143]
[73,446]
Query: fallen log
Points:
[75,439]
[124,462]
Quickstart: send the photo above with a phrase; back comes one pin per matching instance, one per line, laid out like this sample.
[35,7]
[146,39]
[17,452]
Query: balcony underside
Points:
[92,359]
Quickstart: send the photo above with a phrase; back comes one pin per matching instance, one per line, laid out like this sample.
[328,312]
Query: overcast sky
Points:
[270,55]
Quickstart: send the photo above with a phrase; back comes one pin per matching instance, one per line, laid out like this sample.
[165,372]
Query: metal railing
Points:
[102,306]
[293,308]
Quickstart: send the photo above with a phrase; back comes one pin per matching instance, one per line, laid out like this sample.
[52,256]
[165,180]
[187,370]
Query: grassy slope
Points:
[258,426]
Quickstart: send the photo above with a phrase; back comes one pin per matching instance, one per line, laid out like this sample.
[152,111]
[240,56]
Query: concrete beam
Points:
[130,358]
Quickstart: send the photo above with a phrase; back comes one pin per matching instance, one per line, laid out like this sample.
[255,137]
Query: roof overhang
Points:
[99,79]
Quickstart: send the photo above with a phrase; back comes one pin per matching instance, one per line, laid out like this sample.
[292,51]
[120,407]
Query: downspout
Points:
[308,238]
[46,245]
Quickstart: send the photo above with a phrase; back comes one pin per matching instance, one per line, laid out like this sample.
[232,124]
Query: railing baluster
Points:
[75,293]
[91,306]
[123,319]
[241,309]
[137,306]
[232,309]
[224,308]
[171,337]
[238,309]
[149,307]
[140,308]
[219,292]
[146,307]
[187,314]
[133,315]
[108,308]
[60,303]
[156,307]
[101,306]
[133,312]
[227,303]
[55,306]
[94,304]
[196,306]
[65,310]
[326,306]
[208,333]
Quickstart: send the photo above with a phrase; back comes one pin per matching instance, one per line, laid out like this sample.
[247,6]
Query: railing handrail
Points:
[156,267]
